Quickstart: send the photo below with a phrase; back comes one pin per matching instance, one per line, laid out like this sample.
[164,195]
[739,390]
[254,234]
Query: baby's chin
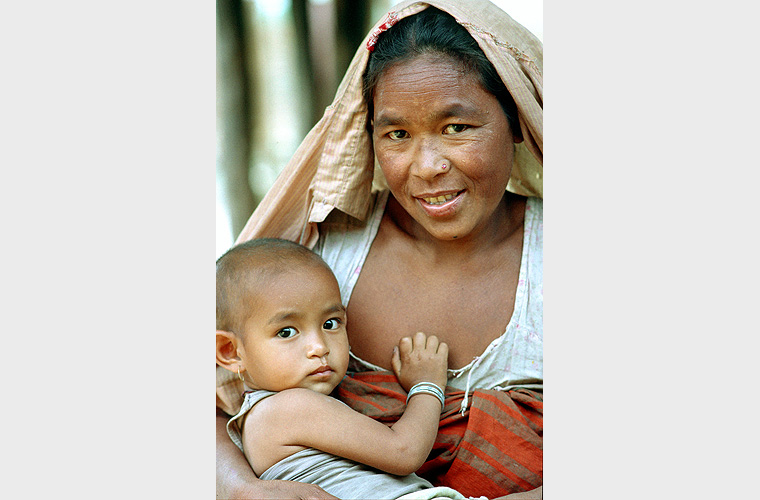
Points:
[326,387]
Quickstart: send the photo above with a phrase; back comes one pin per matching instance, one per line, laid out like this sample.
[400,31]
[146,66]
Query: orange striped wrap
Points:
[494,449]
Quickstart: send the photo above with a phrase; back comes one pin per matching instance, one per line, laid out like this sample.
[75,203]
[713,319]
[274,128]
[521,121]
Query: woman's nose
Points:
[428,161]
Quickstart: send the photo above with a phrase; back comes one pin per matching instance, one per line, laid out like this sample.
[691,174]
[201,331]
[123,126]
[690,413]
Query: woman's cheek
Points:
[392,167]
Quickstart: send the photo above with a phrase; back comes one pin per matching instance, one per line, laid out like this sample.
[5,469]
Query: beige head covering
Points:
[334,167]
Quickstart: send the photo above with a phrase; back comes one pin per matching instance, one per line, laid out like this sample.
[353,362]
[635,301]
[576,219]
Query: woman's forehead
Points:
[428,70]
[442,83]
[422,61]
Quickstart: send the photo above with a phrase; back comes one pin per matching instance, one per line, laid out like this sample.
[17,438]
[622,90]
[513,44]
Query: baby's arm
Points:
[302,418]
[415,360]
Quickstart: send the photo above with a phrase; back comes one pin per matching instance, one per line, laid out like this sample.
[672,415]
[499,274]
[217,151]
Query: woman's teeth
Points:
[439,199]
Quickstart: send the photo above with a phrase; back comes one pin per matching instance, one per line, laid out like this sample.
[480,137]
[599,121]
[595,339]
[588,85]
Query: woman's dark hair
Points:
[434,31]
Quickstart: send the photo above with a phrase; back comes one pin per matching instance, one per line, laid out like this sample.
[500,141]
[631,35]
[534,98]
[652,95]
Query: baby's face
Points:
[296,334]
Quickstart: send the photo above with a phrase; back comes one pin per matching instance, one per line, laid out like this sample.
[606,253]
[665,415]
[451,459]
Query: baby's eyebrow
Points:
[338,308]
[291,315]
[283,316]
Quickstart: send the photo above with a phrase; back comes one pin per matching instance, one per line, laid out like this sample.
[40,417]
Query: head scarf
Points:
[334,167]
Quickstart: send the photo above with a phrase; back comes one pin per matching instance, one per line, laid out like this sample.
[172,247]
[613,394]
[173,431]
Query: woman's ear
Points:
[226,350]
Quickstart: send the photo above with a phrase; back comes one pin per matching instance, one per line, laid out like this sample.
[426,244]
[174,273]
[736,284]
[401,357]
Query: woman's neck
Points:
[505,221]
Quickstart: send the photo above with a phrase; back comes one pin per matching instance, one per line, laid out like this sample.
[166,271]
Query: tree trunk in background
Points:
[353,21]
[301,22]
[329,34]
[234,112]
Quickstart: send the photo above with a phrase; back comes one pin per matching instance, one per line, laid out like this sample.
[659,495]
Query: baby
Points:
[281,326]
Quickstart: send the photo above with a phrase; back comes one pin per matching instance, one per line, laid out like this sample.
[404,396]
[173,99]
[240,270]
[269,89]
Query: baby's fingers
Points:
[405,346]
[443,350]
[420,341]
[432,343]
[396,361]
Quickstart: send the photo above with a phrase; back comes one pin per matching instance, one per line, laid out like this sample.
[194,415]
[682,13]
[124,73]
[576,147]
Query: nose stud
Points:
[444,167]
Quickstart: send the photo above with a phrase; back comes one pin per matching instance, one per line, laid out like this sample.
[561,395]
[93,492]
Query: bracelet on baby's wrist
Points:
[426,388]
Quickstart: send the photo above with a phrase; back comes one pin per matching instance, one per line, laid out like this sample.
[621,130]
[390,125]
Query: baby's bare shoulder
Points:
[293,401]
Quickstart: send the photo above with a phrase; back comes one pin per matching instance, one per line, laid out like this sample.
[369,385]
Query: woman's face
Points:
[443,143]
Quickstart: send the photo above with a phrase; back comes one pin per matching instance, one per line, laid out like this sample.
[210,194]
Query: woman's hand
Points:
[236,480]
[277,489]
[420,359]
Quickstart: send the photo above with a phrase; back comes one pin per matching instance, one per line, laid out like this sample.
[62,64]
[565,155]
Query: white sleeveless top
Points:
[514,359]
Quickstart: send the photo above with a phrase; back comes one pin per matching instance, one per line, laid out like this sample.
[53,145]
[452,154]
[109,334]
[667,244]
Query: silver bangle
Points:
[426,388]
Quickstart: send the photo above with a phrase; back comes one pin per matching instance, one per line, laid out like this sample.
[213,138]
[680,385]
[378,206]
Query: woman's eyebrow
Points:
[456,110]
[385,120]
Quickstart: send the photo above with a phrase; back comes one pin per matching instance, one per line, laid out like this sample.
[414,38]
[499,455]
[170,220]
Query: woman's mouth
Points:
[440,205]
[438,200]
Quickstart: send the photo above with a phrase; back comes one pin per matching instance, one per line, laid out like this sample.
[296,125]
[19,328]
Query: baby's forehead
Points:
[270,273]
[276,283]
[278,264]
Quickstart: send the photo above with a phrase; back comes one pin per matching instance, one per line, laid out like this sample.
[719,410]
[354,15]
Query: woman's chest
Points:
[467,309]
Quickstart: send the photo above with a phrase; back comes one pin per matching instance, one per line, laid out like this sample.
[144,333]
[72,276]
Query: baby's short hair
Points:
[245,268]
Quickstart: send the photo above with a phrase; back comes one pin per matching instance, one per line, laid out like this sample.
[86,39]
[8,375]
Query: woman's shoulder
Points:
[534,223]
[344,242]
[535,205]
[337,220]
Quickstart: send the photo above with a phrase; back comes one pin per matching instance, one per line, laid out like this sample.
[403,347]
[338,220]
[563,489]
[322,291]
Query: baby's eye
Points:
[455,128]
[287,332]
[398,135]
[332,324]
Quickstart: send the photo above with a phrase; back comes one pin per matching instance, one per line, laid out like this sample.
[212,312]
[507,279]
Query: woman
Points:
[443,236]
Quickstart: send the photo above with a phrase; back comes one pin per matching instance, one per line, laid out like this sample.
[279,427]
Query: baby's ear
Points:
[226,350]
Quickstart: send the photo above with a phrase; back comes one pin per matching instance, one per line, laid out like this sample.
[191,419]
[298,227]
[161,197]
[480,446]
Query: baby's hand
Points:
[420,359]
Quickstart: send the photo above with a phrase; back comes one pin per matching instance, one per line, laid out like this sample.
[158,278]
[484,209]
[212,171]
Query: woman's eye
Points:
[397,135]
[454,128]
[287,332]
[332,324]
